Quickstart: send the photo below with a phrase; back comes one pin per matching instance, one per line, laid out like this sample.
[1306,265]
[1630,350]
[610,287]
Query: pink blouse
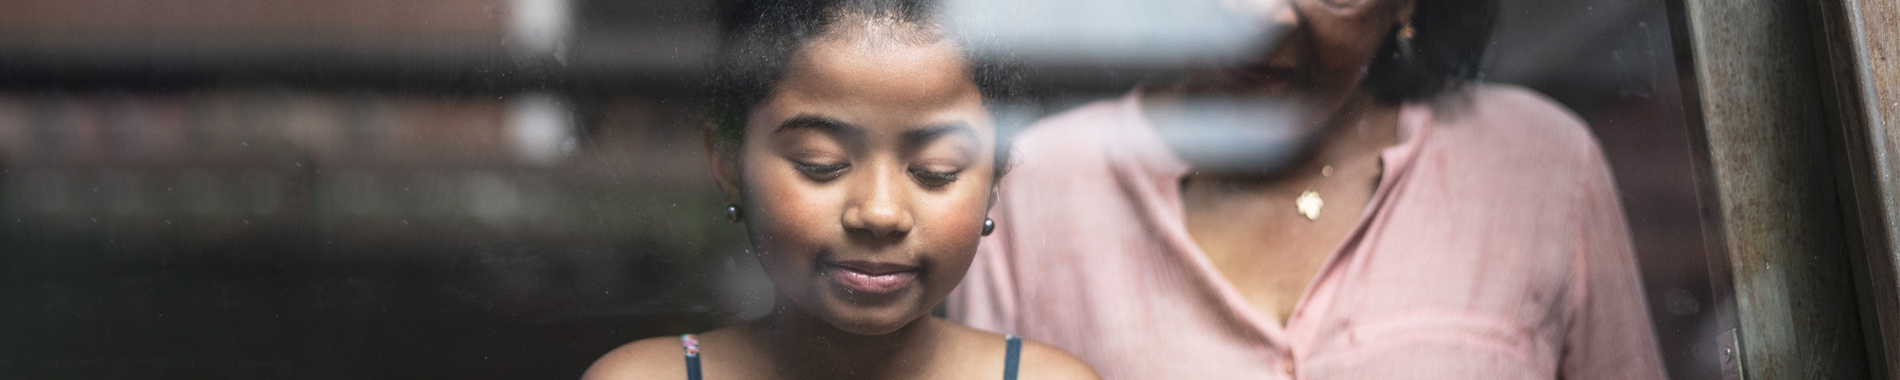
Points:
[1493,248]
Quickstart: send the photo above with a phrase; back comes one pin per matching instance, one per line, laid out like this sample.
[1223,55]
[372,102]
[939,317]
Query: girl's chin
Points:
[872,321]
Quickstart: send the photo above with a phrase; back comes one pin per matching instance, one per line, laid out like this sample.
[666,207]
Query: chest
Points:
[1266,248]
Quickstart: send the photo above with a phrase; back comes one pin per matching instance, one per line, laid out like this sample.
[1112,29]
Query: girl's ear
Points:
[994,190]
[723,160]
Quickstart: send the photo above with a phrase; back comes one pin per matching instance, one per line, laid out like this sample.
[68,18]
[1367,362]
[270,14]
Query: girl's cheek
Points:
[786,216]
[960,220]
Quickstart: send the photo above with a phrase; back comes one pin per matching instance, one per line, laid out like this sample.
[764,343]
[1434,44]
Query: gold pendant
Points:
[1309,204]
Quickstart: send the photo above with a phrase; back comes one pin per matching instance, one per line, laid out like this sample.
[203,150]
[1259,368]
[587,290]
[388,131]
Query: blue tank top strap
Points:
[691,344]
[1010,358]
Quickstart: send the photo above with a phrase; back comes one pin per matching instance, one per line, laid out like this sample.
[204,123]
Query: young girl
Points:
[853,143]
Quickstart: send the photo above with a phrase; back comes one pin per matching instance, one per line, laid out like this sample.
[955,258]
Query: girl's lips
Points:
[871,277]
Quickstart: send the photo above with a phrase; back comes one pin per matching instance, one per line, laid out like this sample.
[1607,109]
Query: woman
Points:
[854,144]
[1341,206]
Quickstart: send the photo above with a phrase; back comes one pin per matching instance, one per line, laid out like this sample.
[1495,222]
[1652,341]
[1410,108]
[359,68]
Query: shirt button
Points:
[1288,370]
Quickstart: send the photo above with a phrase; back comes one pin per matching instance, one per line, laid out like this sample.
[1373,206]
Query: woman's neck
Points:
[802,346]
[1353,134]
[1359,131]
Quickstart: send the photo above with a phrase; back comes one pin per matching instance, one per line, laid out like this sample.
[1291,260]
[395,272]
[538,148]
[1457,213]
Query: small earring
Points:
[1406,33]
[989,225]
[733,214]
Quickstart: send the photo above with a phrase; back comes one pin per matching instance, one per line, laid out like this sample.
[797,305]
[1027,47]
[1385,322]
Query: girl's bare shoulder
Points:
[1038,361]
[662,357]
[651,358]
[1042,361]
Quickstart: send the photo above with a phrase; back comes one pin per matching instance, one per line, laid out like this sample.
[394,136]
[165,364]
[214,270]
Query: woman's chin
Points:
[1236,134]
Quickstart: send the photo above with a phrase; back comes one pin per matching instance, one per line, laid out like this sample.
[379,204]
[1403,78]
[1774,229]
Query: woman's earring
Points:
[989,225]
[732,213]
[1406,33]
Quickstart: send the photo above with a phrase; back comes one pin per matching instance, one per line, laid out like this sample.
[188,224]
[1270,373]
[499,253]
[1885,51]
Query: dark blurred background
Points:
[509,188]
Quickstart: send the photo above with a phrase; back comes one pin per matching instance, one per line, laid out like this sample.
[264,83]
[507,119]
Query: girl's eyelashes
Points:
[821,172]
[827,172]
[934,178]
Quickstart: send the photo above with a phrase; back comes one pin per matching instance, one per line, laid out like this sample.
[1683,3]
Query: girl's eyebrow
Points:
[921,135]
[839,127]
[821,123]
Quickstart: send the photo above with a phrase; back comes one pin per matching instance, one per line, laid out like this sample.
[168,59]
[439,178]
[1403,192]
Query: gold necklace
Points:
[1309,203]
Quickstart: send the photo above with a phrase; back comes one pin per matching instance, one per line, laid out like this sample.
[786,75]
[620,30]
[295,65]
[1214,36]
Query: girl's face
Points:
[865,178]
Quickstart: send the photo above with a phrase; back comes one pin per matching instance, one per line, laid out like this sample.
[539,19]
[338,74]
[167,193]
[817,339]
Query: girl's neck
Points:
[802,346]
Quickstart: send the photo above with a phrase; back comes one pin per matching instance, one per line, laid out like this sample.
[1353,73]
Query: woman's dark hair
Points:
[1448,50]
[758,39]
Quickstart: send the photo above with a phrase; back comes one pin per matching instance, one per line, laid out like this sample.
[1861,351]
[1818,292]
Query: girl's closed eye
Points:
[816,154]
[943,158]
[935,175]
[821,171]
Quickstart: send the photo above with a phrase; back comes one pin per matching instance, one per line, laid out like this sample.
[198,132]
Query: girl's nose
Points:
[879,207]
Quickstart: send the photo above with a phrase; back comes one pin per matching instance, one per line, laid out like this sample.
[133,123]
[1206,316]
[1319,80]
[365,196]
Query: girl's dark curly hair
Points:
[759,38]
[1449,40]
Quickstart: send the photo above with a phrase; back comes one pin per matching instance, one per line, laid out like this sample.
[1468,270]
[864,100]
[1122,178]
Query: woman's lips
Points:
[871,277]
[1263,73]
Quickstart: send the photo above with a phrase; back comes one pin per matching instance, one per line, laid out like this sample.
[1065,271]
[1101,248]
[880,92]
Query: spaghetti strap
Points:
[1011,357]
[691,344]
